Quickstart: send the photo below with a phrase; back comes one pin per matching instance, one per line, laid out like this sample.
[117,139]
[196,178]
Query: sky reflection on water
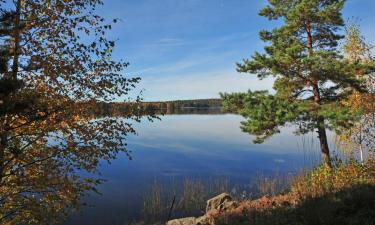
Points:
[193,146]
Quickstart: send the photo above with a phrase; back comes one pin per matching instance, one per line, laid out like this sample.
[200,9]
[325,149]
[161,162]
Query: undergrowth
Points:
[344,195]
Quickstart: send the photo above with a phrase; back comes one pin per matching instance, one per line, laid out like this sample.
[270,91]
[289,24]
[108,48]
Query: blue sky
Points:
[186,49]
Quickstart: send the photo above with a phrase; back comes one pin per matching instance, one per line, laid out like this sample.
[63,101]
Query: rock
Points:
[203,220]
[215,206]
[221,203]
[229,205]
[183,221]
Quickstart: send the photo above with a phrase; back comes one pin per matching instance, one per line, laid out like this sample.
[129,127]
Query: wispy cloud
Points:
[191,61]
[168,68]
[201,85]
[166,42]
[207,54]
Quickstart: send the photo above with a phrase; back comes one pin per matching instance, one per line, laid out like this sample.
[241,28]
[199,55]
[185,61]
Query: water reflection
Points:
[189,146]
[189,111]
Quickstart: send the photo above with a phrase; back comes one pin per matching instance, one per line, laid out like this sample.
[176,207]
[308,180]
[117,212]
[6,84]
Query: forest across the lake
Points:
[193,106]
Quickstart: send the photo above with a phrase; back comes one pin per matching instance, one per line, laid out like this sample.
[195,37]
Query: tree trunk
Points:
[17,39]
[322,135]
[324,143]
[3,146]
[361,154]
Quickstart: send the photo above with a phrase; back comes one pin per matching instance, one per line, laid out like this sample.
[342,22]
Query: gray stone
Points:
[218,202]
[183,221]
[229,205]
[203,220]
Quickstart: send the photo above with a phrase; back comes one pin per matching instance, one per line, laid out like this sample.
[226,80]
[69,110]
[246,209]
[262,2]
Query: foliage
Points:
[321,180]
[362,135]
[56,65]
[311,76]
[342,196]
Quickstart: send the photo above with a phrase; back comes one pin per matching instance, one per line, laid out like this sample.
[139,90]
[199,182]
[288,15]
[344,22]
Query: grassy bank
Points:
[343,195]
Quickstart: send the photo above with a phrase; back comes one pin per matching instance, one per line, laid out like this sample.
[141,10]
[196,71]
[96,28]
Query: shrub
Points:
[344,195]
[323,180]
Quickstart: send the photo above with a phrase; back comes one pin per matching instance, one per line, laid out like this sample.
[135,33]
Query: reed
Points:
[188,197]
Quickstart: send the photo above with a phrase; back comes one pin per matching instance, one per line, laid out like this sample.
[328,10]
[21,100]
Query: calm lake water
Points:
[189,146]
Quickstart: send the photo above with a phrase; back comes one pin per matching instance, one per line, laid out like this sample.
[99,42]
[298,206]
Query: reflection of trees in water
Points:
[190,111]
[198,106]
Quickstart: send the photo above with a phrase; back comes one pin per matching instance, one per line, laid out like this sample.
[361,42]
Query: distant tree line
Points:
[196,106]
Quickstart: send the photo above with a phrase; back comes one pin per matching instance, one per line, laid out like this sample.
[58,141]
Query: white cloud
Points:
[200,85]
[166,42]
[193,61]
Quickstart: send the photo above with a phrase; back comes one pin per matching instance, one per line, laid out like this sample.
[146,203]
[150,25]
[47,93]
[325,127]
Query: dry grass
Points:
[154,204]
[190,198]
[323,180]
[271,185]
[320,196]
[344,195]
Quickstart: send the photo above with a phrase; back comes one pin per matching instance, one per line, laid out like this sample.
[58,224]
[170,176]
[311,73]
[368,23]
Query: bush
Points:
[323,180]
[344,195]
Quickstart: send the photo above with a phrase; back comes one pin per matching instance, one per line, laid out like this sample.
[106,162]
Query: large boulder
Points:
[183,221]
[221,203]
[215,205]
[229,205]
[203,220]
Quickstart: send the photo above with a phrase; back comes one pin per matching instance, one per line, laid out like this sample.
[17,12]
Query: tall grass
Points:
[193,197]
[154,203]
[271,185]
[189,196]
[185,199]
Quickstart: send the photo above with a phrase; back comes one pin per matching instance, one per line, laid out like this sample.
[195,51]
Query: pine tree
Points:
[311,76]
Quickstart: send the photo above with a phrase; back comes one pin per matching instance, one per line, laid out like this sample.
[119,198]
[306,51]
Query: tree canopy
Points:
[362,135]
[56,65]
[311,75]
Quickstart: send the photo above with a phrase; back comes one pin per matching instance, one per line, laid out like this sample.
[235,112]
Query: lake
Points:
[194,146]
